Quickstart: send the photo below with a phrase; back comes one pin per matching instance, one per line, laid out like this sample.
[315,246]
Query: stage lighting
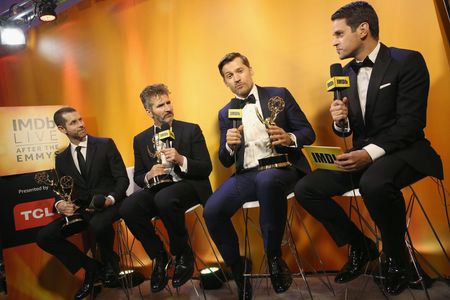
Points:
[46,10]
[211,278]
[11,35]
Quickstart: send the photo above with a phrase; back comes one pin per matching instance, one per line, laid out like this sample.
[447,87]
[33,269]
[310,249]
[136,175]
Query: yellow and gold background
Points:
[99,55]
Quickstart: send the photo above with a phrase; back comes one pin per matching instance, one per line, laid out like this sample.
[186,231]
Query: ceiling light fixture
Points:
[46,10]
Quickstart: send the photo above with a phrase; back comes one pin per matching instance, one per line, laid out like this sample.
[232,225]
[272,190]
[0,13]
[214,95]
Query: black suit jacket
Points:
[106,172]
[189,141]
[291,119]
[395,109]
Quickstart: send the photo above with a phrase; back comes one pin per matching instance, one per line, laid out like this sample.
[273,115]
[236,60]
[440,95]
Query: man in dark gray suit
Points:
[385,110]
[186,159]
[99,173]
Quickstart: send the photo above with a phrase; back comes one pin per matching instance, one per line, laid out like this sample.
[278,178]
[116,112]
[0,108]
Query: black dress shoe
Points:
[396,277]
[184,268]
[91,275]
[242,282]
[159,277]
[357,260]
[280,276]
[110,277]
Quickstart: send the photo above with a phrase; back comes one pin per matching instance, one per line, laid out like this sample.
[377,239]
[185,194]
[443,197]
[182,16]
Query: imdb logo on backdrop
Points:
[28,139]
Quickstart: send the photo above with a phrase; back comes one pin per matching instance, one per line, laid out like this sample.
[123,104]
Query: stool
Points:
[127,257]
[413,253]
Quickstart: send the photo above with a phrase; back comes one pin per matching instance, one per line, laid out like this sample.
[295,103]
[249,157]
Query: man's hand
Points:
[278,136]
[66,208]
[234,136]
[339,110]
[156,170]
[173,156]
[353,161]
[108,202]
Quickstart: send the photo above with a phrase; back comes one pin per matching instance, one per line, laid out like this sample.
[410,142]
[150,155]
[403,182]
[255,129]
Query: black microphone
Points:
[98,202]
[338,81]
[235,111]
[166,135]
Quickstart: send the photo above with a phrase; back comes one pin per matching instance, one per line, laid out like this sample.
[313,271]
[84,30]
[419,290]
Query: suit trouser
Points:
[380,187]
[270,188]
[51,240]
[169,204]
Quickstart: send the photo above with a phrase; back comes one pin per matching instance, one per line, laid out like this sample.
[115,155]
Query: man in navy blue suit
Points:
[243,145]
[385,110]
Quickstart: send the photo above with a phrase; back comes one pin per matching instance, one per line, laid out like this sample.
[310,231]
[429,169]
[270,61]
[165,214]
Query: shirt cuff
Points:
[184,166]
[345,128]
[293,139]
[112,199]
[229,149]
[56,205]
[374,151]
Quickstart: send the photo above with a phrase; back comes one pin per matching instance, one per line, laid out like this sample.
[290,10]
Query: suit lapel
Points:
[178,132]
[355,105]
[90,154]
[264,101]
[379,69]
[149,146]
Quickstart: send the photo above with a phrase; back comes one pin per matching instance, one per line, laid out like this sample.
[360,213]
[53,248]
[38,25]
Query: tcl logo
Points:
[34,214]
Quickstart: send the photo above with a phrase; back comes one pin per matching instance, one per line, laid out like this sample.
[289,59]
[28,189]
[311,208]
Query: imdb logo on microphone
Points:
[29,139]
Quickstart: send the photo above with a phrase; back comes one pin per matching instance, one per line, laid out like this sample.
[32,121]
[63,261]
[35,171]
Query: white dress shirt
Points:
[255,135]
[363,79]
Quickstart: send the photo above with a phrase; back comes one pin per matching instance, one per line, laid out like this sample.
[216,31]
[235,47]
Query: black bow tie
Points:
[250,99]
[358,65]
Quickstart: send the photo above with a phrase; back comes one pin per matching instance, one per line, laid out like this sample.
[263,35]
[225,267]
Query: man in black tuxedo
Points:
[187,160]
[385,110]
[98,172]
[243,146]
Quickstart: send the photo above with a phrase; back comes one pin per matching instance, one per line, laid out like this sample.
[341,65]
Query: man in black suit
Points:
[385,110]
[98,172]
[243,146]
[187,160]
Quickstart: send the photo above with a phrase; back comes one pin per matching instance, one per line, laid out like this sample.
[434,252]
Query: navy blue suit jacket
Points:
[396,109]
[291,119]
[189,141]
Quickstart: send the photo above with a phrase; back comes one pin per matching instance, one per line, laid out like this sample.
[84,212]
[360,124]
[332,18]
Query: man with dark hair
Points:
[244,146]
[385,110]
[187,160]
[98,171]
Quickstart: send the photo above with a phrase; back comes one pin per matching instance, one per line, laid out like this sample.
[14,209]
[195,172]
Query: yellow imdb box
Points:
[28,139]
[322,157]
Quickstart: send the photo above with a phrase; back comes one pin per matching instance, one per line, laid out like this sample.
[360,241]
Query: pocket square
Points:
[384,85]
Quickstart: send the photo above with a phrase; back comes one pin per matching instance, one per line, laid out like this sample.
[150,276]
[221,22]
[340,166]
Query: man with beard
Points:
[244,146]
[99,175]
[186,159]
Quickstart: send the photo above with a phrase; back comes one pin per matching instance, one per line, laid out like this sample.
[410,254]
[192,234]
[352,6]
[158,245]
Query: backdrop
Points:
[99,55]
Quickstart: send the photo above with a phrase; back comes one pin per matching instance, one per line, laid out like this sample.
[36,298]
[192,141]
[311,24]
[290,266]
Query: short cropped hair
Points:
[229,58]
[356,13]
[58,115]
[153,90]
